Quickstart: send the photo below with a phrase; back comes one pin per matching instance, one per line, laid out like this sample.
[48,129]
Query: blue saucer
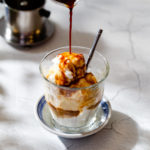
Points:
[43,115]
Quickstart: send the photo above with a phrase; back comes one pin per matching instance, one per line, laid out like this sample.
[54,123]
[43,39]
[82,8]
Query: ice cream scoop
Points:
[66,68]
[85,81]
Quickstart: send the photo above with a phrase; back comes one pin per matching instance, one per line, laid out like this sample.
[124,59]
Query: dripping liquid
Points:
[69,4]
[70,29]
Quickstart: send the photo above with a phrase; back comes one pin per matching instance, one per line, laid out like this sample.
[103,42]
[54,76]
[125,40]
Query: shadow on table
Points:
[10,143]
[8,140]
[2,91]
[120,133]
[5,118]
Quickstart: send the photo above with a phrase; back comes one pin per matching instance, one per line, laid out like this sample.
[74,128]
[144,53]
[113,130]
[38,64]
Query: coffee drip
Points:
[70,4]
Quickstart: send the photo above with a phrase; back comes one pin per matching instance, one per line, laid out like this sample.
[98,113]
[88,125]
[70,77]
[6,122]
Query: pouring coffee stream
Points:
[69,4]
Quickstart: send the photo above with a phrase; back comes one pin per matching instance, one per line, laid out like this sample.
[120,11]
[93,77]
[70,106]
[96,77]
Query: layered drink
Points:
[72,92]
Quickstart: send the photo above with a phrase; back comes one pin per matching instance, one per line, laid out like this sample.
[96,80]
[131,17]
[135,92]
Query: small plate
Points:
[43,115]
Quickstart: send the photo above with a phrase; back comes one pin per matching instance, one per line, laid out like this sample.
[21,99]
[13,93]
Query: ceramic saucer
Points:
[43,115]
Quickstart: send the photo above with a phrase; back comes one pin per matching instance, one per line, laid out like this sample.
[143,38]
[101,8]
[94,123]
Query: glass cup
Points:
[74,108]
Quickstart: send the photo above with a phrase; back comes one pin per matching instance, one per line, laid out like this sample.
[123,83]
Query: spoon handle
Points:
[93,47]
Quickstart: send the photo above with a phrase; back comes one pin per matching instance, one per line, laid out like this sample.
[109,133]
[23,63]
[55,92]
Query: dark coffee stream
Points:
[70,5]
[70,29]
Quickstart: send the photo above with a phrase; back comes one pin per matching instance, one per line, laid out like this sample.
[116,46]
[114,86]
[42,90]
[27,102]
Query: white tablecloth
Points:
[126,44]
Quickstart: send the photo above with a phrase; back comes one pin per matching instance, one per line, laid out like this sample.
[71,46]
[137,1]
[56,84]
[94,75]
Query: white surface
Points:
[126,44]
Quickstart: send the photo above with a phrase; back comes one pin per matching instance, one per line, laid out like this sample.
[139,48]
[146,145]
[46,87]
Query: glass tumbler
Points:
[74,108]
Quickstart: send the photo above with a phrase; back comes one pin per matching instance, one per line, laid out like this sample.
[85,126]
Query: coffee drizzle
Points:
[70,29]
[69,4]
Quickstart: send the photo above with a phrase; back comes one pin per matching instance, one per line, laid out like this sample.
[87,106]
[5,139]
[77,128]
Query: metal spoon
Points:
[93,47]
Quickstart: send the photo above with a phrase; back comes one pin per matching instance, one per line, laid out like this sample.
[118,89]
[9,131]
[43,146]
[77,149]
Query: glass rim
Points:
[69,88]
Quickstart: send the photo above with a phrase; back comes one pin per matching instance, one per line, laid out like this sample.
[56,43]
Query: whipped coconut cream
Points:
[55,71]
[68,74]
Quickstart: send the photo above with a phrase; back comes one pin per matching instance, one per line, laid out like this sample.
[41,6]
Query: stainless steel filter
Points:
[25,22]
